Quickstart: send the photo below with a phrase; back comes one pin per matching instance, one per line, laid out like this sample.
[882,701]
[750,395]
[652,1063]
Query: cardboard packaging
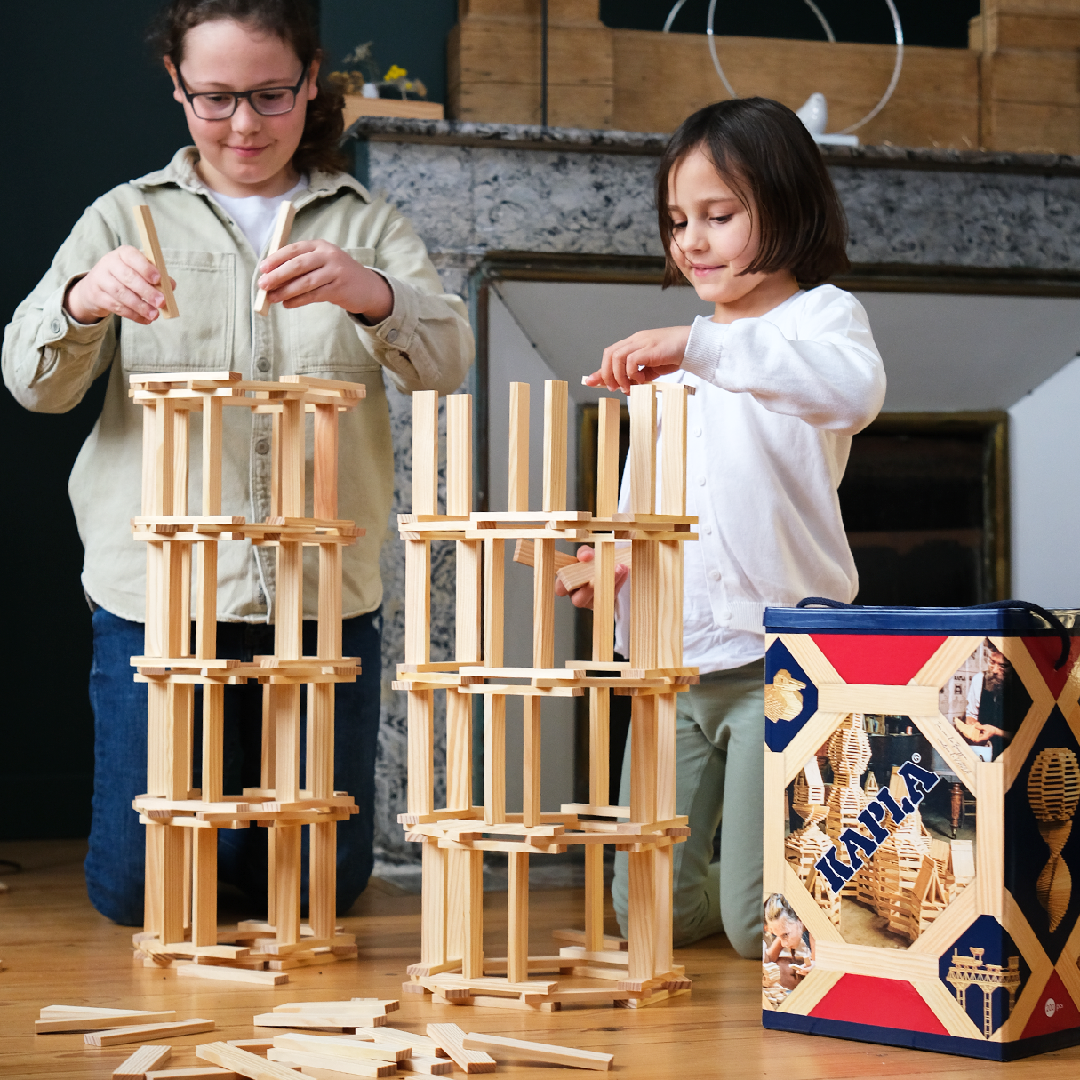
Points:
[922,776]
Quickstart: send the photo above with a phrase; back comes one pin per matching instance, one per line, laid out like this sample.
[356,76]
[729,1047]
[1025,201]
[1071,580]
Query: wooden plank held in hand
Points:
[557,1055]
[144,222]
[278,239]
[146,1032]
[449,1037]
[144,1060]
[570,571]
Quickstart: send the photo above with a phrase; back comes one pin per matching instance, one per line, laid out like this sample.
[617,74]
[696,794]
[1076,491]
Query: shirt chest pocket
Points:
[323,339]
[202,338]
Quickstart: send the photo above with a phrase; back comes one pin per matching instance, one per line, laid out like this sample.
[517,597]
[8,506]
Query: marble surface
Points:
[470,189]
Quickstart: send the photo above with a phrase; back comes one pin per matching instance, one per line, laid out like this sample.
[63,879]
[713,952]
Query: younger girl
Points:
[353,296]
[784,378]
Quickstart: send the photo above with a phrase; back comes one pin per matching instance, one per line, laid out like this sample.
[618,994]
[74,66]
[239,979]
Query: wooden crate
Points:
[922,772]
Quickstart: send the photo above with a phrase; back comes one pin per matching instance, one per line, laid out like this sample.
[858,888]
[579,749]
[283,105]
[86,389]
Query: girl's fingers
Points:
[585,553]
[583,597]
[284,254]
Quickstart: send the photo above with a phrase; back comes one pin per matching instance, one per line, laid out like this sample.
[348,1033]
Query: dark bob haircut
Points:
[768,158]
[294,22]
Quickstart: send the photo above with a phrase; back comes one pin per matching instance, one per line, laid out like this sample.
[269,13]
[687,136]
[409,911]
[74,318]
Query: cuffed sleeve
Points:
[830,376]
[50,359]
[425,342]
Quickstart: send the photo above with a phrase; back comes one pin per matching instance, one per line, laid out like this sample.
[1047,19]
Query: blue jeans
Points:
[115,863]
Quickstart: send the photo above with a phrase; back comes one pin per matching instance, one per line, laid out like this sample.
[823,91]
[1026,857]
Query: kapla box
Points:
[922,776]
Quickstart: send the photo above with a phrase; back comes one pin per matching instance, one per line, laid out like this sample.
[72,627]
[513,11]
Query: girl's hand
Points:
[641,357]
[316,271]
[583,596]
[123,283]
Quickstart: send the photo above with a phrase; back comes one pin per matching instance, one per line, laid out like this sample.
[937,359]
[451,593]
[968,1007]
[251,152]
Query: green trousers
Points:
[719,777]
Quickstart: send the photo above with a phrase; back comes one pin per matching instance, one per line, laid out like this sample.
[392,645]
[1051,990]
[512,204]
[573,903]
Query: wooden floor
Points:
[57,950]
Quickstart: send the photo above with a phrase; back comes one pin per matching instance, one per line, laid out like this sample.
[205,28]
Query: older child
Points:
[354,295]
[784,378]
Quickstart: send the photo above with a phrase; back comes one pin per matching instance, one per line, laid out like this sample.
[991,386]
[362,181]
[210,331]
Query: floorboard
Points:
[57,950]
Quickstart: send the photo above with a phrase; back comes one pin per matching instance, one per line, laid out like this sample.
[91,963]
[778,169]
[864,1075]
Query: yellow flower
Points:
[395,72]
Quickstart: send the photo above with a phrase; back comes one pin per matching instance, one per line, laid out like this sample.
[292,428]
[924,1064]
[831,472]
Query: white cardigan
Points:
[769,433]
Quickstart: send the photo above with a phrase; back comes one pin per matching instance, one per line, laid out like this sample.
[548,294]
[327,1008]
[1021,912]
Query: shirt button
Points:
[262,446]
[725,616]
[697,433]
[701,481]
[714,574]
[708,530]
[263,364]
[56,326]
[391,336]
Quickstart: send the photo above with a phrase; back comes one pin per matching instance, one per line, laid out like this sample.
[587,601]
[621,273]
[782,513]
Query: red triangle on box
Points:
[877,658]
[1045,651]
[889,1003]
[1054,1011]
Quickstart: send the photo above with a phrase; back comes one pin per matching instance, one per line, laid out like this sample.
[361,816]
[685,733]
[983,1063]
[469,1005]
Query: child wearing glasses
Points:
[353,296]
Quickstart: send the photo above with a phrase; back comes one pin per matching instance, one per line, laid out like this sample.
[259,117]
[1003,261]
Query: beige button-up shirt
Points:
[49,362]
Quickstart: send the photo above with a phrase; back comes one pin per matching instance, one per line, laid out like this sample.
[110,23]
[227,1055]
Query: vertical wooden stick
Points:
[458,862]
[517,935]
[206,600]
[673,450]
[494,759]
[555,421]
[472,956]
[468,623]
[531,800]
[433,903]
[517,500]
[420,722]
[641,914]
[417,601]
[293,457]
[458,751]
[607,458]
[144,222]
[212,734]
[325,452]
[604,600]
[642,451]
[285,719]
[204,890]
[663,879]
[459,455]
[425,451]
[278,239]
[594,897]
[287,876]
[494,573]
[211,455]
[643,759]
[172,883]
[543,650]
[322,878]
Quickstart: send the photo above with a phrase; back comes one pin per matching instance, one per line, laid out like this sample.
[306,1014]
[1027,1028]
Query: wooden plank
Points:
[531,758]
[543,637]
[242,1062]
[643,761]
[494,759]
[607,457]
[472,914]
[286,884]
[134,1033]
[459,454]
[425,451]
[51,1023]
[450,1038]
[224,972]
[642,455]
[640,916]
[368,1006]
[325,462]
[673,450]
[322,877]
[334,1020]
[278,239]
[305,1061]
[144,1060]
[594,897]
[645,602]
[433,904]
[204,887]
[468,621]
[148,238]
[662,925]
[206,600]
[420,721]
[518,461]
[517,934]
[494,575]
[875,962]
[192,1072]
[774,873]
[874,698]
[357,1049]
[417,601]
[534,1051]
[555,422]
[211,456]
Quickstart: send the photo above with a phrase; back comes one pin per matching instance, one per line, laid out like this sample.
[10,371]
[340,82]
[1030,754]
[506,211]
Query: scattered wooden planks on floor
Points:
[549,1052]
[449,1037]
[243,1063]
[230,974]
[133,1033]
[144,1060]
[69,1018]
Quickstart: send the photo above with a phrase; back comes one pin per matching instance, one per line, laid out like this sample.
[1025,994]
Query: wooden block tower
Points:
[181,821]
[454,838]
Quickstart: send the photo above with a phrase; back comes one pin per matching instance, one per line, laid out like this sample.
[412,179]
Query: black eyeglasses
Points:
[221,104]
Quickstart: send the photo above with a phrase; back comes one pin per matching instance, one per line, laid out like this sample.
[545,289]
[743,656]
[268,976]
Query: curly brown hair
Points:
[294,22]
[768,158]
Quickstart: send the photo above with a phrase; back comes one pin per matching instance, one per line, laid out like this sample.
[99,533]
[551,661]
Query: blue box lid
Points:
[867,619]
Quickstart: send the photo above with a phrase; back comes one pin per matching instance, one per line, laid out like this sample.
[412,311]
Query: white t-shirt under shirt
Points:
[768,436]
[255,214]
